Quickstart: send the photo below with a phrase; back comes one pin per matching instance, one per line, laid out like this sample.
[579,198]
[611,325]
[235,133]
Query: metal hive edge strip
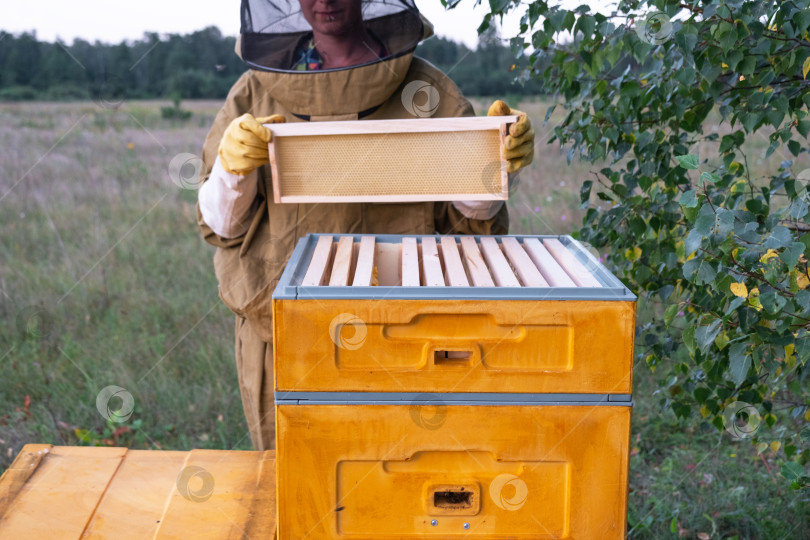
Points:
[461,398]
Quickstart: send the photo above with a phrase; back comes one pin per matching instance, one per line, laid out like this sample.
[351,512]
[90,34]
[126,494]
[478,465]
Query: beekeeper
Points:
[312,61]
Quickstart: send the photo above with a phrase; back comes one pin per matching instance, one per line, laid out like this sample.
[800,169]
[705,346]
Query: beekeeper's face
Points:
[332,17]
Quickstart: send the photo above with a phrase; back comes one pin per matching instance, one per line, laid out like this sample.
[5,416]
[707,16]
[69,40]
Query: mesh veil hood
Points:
[273,31]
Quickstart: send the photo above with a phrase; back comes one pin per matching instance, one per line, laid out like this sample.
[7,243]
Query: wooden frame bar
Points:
[578,273]
[475,263]
[504,277]
[365,262]
[552,271]
[527,271]
[410,262]
[434,277]
[320,258]
[342,263]
[456,276]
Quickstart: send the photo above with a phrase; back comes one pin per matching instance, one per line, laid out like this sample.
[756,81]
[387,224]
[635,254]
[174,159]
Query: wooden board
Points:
[456,275]
[385,127]
[575,269]
[365,262]
[475,263]
[528,272]
[389,160]
[504,277]
[320,258]
[431,264]
[343,262]
[410,262]
[550,269]
[99,492]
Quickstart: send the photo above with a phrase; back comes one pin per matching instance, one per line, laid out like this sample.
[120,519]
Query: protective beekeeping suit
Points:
[303,68]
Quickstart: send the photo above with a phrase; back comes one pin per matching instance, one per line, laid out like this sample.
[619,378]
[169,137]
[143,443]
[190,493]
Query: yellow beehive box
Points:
[443,470]
[389,160]
[451,314]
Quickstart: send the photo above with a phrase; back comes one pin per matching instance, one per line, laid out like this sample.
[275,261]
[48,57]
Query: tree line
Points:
[200,65]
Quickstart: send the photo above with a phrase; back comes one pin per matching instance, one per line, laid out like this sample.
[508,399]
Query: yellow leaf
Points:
[753,299]
[761,447]
[775,445]
[739,289]
[806,67]
[725,66]
[770,254]
[643,82]
[633,254]
[704,412]
[807,415]
[803,281]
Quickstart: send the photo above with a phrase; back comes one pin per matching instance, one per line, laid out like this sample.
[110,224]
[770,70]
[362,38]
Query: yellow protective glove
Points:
[519,143]
[243,147]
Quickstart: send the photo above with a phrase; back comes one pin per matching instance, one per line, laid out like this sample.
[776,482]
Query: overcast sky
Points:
[113,21]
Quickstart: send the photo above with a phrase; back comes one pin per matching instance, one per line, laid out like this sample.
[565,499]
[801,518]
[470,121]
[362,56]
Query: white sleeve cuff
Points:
[481,210]
[227,201]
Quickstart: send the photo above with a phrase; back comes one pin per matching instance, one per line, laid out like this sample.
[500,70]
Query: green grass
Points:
[103,246]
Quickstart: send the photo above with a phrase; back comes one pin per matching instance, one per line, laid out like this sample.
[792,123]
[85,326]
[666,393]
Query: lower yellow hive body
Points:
[489,472]
[55,492]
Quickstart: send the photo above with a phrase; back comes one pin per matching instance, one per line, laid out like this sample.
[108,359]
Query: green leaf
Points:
[792,253]
[688,162]
[706,177]
[688,199]
[586,25]
[705,335]
[688,337]
[739,362]
[699,271]
[721,341]
[780,237]
[747,66]
[670,312]
[772,301]
[792,471]
[794,147]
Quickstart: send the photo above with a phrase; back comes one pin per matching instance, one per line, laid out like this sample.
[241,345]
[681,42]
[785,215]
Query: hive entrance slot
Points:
[451,357]
[453,499]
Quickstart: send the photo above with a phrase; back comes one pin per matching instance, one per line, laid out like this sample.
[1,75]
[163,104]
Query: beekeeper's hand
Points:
[243,147]
[519,143]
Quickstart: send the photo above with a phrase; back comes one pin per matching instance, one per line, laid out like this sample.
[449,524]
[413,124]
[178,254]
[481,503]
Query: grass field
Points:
[104,281]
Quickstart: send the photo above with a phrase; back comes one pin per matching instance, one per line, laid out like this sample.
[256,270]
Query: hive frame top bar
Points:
[415,125]
[290,284]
